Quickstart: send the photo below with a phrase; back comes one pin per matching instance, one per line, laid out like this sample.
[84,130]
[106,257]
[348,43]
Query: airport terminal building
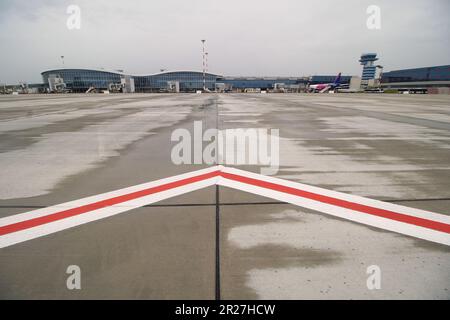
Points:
[82,80]
[431,79]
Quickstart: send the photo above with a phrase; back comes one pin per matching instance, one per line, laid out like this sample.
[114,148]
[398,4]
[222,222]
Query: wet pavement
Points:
[59,148]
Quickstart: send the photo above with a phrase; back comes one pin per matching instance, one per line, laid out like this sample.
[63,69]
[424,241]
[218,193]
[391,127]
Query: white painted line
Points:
[413,222]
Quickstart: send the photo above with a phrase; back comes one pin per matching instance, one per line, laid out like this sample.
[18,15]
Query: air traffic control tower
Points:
[369,67]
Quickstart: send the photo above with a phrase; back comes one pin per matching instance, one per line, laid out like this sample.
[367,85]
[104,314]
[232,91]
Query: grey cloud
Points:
[286,37]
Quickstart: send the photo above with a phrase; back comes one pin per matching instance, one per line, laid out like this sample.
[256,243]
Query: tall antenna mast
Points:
[204,66]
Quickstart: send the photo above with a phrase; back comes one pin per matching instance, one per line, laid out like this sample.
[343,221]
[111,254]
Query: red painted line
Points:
[421,222]
[102,204]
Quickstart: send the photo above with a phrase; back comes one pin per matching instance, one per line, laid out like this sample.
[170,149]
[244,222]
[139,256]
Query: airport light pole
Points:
[204,72]
[62,58]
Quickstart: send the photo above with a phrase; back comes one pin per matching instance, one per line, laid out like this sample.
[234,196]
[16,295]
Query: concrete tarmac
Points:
[57,148]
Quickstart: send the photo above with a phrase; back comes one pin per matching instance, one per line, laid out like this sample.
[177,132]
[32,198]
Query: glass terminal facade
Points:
[189,81]
[263,83]
[80,80]
[438,73]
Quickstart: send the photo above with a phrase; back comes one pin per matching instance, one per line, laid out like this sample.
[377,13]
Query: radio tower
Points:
[204,66]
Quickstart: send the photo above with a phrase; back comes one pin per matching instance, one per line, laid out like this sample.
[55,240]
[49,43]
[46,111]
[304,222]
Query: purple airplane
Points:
[322,87]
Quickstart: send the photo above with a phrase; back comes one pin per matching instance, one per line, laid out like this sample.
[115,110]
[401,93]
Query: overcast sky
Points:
[252,38]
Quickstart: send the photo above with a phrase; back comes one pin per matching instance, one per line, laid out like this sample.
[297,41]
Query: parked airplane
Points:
[323,87]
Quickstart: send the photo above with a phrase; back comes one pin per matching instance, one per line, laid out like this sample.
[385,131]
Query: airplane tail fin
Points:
[337,81]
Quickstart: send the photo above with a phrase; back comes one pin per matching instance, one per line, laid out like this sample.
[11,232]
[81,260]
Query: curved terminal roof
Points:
[133,75]
[83,69]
